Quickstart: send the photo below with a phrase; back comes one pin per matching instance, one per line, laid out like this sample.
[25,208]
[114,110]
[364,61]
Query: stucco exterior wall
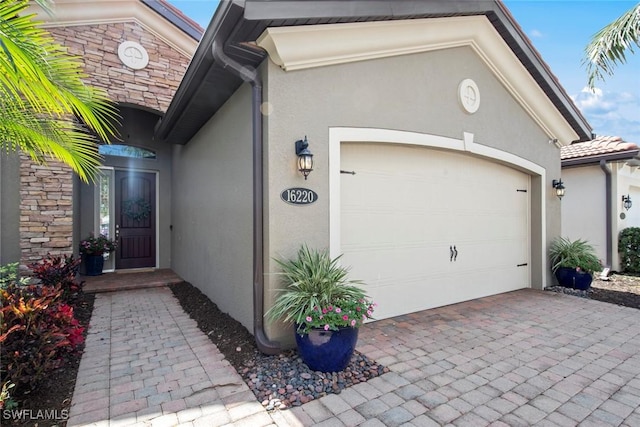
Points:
[9,207]
[212,211]
[415,93]
[584,209]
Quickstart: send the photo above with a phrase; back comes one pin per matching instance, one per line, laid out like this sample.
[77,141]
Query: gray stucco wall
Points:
[9,207]
[137,131]
[212,209]
[584,212]
[415,93]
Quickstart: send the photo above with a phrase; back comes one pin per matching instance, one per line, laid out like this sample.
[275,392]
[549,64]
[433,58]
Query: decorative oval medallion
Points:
[133,55]
[469,96]
[299,196]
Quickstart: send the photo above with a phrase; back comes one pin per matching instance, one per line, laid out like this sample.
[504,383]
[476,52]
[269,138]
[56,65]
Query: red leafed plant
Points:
[59,271]
[37,331]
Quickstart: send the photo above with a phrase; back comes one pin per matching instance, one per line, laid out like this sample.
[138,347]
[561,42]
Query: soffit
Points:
[69,13]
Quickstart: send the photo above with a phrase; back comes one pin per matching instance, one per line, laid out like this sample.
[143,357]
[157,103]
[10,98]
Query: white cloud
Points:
[611,113]
[536,34]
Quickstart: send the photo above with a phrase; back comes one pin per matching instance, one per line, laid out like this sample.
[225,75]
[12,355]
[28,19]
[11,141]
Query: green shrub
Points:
[9,275]
[629,248]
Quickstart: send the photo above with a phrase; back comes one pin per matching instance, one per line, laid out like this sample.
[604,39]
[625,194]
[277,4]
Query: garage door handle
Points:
[453,253]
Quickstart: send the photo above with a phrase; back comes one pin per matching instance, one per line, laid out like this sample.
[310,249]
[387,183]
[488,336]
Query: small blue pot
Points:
[327,351]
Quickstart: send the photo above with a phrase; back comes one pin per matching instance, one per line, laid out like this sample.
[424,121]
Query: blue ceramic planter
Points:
[570,278]
[93,265]
[327,351]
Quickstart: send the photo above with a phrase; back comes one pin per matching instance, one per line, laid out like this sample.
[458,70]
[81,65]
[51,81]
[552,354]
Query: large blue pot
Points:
[570,278]
[327,351]
[93,265]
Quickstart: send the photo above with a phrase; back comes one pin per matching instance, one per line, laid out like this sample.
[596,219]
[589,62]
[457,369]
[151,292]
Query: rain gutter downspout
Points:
[250,75]
[609,207]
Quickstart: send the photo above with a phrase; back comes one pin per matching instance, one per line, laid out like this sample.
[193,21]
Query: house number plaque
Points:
[299,196]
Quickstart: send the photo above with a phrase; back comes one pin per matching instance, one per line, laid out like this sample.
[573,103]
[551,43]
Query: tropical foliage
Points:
[46,110]
[317,293]
[577,254]
[609,46]
[38,328]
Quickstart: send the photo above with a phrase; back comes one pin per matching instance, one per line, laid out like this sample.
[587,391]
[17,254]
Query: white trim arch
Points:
[337,135]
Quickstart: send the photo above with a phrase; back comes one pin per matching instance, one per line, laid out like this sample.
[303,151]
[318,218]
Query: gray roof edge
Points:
[175,18]
[202,58]
[283,10]
[584,128]
[595,159]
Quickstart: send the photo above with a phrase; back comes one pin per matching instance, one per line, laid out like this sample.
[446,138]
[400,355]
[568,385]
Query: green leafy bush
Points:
[59,271]
[9,275]
[629,248]
[318,294]
[577,254]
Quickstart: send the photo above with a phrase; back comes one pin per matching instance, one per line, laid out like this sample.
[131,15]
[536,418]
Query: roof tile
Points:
[595,147]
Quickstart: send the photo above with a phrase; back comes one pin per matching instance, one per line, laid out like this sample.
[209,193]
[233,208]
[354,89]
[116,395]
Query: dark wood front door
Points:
[135,196]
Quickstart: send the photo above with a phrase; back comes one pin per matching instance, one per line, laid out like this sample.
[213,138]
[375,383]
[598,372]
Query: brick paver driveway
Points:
[517,359]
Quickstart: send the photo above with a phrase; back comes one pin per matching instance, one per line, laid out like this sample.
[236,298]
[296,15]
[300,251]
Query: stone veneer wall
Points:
[46,209]
[46,192]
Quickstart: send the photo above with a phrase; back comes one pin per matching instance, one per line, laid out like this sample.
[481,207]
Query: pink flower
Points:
[358,309]
[369,312]
[345,317]
[330,308]
[324,311]
[326,327]
[338,310]
[309,319]
[321,317]
[353,322]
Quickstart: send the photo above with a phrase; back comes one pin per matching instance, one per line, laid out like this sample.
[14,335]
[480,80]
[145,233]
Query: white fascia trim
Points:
[466,144]
[310,46]
[70,13]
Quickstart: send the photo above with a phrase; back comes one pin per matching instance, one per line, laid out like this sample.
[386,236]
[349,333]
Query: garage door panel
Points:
[404,209]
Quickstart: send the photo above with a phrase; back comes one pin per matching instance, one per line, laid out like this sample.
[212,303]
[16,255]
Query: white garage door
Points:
[408,210]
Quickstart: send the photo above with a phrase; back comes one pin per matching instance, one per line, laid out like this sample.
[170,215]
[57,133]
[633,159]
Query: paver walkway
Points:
[147,363]
[517,359]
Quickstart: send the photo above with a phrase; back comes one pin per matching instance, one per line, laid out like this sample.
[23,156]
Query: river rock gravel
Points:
[279,381]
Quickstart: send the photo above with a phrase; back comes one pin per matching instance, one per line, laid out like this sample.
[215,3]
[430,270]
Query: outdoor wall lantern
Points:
[559,186]
[305,158]
[626,202]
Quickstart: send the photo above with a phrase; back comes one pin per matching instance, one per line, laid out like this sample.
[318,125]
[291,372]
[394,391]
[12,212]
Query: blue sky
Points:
[559,29]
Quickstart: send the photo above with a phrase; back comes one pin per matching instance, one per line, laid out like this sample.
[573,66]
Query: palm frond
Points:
[46,108]
[609,46]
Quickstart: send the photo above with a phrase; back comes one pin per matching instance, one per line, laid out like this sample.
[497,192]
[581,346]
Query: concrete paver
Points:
[522,358]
